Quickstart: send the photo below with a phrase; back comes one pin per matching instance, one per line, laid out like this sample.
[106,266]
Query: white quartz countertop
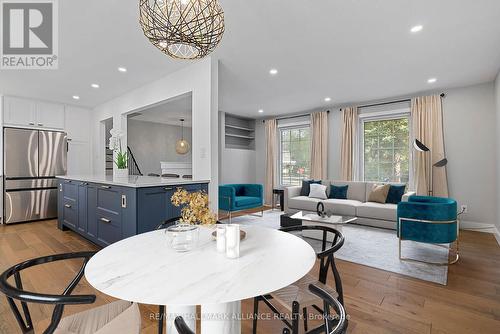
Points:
[132,181]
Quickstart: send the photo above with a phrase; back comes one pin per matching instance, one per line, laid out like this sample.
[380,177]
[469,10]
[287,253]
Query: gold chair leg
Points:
[453,249]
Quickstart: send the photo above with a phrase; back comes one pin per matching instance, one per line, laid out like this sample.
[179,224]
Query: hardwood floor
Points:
[376,301]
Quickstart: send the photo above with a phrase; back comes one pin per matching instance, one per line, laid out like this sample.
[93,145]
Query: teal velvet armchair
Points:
[238,197]
[431,220]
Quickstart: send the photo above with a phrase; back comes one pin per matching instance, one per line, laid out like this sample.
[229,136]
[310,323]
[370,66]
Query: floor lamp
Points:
[419,146]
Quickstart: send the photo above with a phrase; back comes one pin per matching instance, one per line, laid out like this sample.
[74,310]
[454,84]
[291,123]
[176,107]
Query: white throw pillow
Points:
[317,191]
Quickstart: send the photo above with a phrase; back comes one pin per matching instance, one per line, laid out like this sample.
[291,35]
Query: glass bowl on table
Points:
[182,237]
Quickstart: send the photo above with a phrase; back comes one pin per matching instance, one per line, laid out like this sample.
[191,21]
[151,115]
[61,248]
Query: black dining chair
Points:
[333,323]
[166,224]
[181,326]
[119,316]
[298,294]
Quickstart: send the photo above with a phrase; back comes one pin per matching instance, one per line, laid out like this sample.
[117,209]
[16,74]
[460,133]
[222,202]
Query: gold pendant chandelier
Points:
[182,146]
[184,29]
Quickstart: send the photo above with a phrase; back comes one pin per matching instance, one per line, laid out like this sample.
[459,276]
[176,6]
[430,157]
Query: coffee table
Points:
[312,218]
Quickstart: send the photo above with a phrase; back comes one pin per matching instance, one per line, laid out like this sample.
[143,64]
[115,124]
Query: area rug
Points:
[373,247]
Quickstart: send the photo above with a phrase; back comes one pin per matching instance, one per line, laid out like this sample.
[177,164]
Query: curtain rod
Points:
[391,102]
[294,116]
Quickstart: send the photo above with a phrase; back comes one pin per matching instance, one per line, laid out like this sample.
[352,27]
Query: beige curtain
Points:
[427,123]
[347,151]
[319,147]
[271,157]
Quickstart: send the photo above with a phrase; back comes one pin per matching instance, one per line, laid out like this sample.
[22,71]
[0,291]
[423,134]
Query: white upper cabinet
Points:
[19,111]
[78,124]
[50,115]
[24,112]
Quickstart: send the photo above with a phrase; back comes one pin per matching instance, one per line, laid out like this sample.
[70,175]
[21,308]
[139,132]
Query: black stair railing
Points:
[133,167]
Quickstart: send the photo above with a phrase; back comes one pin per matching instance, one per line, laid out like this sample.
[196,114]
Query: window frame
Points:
[289,126]
[401,113]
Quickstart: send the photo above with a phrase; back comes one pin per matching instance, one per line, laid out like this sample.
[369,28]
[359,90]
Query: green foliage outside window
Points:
[295,155]
[386,150]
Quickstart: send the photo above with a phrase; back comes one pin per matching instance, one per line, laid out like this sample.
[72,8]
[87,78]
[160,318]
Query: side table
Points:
[281,193]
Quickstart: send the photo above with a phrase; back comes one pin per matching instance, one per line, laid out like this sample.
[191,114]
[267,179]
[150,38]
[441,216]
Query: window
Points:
[295,154]
[385,153]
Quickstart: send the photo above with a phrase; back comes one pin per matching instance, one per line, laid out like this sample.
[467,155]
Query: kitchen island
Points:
[105,210]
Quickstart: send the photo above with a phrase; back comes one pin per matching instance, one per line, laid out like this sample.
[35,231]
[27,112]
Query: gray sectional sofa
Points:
[368,213]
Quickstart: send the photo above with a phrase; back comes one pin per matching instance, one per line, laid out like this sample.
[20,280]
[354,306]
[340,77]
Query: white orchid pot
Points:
[120,173]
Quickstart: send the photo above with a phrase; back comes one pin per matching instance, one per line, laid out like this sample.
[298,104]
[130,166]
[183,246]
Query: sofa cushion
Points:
[241,201]
[342,207]
[327,184]
[303,203]
[377,211]
[355,191]
[369,186]
[338,192]
[396,193]
[317,191]
[379,193]
[306,186]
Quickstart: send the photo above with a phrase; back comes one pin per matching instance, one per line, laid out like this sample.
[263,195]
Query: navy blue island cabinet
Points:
[106,212]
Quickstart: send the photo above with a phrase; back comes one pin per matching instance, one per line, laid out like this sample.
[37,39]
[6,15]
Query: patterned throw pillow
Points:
[379,193]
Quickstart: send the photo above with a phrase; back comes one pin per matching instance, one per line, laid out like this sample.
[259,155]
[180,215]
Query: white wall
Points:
[152,143]
[196,78]
[471,145]
[237,165]
[471,148]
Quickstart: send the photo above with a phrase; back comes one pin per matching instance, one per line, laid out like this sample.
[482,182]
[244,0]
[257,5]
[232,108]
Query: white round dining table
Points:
[145,269]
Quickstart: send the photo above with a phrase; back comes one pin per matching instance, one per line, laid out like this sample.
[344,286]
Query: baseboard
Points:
[481,227]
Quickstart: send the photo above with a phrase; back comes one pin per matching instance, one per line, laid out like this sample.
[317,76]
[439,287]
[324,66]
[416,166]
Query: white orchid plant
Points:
[115,144]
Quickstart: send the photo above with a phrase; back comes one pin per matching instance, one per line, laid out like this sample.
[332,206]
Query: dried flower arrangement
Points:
[196,211]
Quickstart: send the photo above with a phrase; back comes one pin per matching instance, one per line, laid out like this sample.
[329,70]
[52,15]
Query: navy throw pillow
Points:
[306,187]
[395,194]
[338,192]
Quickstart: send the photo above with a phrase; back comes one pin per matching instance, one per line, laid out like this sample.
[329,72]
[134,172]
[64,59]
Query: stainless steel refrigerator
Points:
[32,159]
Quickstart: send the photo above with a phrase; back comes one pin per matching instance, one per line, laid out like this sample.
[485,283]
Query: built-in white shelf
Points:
[239,136]
[239,128]
[239,132]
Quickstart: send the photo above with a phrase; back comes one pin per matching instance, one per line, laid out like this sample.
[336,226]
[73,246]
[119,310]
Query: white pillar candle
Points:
[221,238]
[233,241]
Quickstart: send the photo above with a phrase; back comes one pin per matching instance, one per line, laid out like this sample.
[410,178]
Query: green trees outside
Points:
[295,155]
[386,150]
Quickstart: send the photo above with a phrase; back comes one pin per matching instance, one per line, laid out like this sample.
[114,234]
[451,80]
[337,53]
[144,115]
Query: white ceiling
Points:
[354,50]
[169,112]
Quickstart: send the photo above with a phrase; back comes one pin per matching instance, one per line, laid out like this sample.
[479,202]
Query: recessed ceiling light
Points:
[432,80]
[273,71]
[327,99]
[261,111]
[76,97]
[417,28]
[94,85]
[122,69]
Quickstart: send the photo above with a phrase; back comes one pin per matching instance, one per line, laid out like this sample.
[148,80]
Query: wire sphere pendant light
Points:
[182,146]
[184,29]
